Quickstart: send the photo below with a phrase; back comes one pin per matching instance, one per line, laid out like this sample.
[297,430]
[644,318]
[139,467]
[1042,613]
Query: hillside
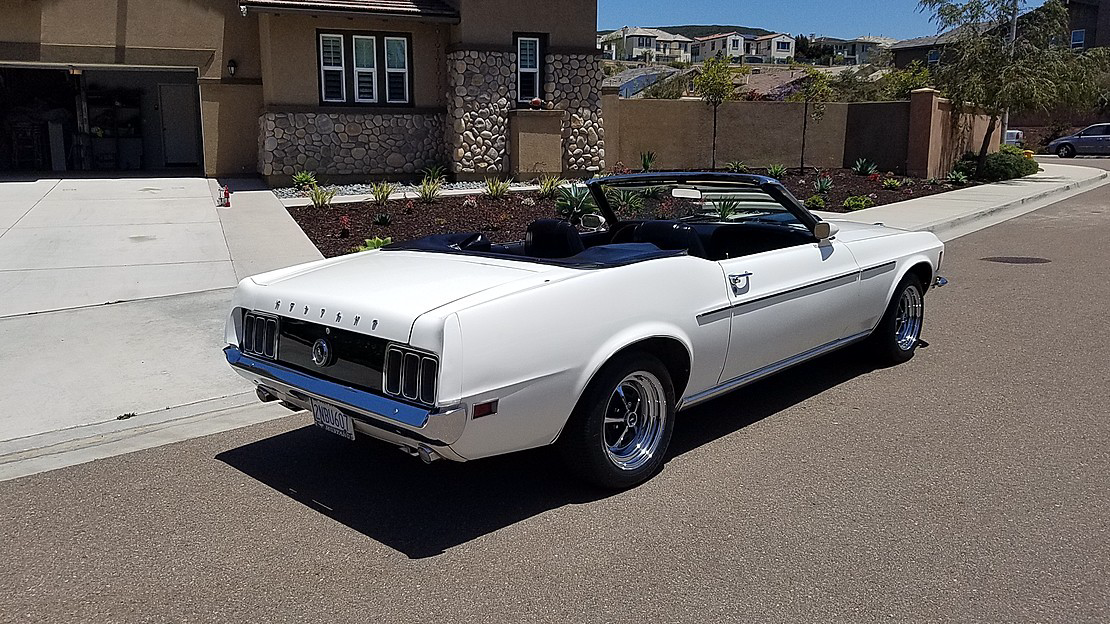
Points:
[693,31]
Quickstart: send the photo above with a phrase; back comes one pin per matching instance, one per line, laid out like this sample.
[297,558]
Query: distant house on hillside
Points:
[731,45]
[775,47]
[857,51]
[644,44]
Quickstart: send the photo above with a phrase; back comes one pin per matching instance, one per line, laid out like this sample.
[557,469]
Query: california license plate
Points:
[331,418]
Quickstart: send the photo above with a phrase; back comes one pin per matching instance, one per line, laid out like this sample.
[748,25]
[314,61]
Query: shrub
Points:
[436,172]
[496,188]
[777,172]
[736,166]
[932,182]
[382,191]
[864,167]
[815,203]
[625,201]
[1007,164]
[321,197]
[573,202]
[549,184]
[304,180]
[619,169]
[892,184]
[874,177]
[858,202]
[429,189]
[726,208]
[823,185]
[647,159]
[374,243]
[382,218]
[957,177]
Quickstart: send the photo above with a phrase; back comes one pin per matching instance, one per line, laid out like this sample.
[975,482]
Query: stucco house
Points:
[339,87]
[775,47]
[730,45]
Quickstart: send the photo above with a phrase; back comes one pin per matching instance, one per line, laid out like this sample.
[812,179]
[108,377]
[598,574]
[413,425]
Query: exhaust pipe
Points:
[425,454]
[264,395]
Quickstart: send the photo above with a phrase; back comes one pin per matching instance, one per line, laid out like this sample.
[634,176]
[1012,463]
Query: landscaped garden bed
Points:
[343,227]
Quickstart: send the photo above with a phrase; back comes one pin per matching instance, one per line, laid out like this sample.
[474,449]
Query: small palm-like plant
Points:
[653,192]
[383,219]
[726,207]
[429,189]
[304,180]
[625,201]
[495,188]
[892,184]
[777,172]
[436,172]
[374,243]
[381,191]
[737,166]
[549,185]
[321,197]
[864,167]
[958,178]
[823,185]
[573,202]
[647,159]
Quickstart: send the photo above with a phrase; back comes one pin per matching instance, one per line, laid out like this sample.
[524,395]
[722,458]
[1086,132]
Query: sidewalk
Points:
[956,213]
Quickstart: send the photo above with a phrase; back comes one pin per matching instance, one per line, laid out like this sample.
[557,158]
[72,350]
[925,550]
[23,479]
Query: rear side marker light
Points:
[485,409]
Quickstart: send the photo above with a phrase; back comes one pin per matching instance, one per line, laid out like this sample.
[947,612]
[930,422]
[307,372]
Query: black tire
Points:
[1065,151]
[587,441]
[893,342]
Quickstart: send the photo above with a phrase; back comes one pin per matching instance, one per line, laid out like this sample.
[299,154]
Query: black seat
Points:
[671,235]
[552,238]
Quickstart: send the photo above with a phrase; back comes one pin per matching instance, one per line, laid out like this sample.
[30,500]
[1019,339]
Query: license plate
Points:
[330,418]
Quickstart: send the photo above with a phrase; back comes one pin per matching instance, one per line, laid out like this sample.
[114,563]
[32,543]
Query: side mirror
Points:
[825,230]
[592,221]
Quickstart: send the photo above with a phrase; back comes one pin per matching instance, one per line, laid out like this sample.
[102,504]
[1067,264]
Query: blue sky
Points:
[900,19]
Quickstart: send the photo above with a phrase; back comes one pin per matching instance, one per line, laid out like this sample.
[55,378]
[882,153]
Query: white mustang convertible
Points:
[682,287]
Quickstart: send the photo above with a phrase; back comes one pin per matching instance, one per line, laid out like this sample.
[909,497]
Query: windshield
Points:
[700,201]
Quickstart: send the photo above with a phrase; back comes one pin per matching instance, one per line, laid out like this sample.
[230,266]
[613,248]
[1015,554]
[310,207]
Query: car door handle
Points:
[740,282]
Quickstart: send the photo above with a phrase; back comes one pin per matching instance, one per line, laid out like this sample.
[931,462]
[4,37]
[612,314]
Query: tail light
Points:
[410,375]
[260,335]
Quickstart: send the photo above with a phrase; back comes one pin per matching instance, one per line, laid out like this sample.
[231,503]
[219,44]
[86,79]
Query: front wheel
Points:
[899,332]
[1065,151]
[619,431]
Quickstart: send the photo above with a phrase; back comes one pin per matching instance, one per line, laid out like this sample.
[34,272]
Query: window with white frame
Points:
[396,70]
[735,44]
[783,46]
[1078,39]
[934,57]
[528,68]
[366,71]
[333,82]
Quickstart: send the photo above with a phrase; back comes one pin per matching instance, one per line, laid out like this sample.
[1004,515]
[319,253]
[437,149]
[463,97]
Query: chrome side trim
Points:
[756,375]
[759,303]
[443,426]
[876,271]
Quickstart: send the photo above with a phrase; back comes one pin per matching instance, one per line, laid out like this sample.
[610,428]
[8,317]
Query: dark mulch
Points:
[847,184]
[502,220]
[505,220]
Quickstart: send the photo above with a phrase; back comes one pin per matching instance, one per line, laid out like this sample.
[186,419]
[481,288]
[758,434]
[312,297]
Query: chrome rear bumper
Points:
[375,415]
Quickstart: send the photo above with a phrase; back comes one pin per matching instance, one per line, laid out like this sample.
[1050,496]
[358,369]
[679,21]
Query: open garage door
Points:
[99,119]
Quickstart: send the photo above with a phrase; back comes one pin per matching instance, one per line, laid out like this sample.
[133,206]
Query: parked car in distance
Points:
[1092,140]
[1015,137]
[683,287]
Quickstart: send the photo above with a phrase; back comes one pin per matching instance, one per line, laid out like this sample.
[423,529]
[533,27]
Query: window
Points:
[396,70]
[1078,39]
[332,79]
[366,74]
[783,46]
[365,68]
[528,68]
[934,57]
[735,44]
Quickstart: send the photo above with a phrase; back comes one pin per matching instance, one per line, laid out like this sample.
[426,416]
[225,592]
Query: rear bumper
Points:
[374,415]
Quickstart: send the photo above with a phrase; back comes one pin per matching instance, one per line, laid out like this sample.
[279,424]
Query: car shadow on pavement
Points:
[421,510]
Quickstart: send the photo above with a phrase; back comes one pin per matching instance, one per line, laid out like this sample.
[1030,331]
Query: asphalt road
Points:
[970,484]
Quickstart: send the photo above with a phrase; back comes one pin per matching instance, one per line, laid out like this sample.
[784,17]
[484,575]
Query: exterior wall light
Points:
[231,67]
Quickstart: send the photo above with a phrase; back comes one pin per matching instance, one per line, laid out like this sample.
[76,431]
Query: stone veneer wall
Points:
[345,143]
[575,86]
[481,88]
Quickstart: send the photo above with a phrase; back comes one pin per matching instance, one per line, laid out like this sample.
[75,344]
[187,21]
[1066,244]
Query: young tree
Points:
[714,85]
[814,94]
[981,69]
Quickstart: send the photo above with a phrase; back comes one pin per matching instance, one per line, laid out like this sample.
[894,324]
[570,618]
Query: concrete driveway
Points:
[165,257]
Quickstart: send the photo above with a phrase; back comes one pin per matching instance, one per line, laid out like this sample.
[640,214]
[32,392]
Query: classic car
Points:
[660,291]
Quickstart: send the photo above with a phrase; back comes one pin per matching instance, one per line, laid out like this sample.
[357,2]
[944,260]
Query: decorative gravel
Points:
[289,192]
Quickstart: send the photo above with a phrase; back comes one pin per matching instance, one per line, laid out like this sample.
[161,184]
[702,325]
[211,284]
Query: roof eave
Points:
[258,7]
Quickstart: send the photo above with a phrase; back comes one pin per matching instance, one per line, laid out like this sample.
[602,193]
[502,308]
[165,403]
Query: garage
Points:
[72,118]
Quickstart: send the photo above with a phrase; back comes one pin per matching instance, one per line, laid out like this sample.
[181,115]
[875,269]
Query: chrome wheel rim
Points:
[1064,151]
[907,322]
[635,418]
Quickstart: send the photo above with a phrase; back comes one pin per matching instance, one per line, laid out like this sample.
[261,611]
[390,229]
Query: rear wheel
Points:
[899,332]
[622,425]
[1065,151]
